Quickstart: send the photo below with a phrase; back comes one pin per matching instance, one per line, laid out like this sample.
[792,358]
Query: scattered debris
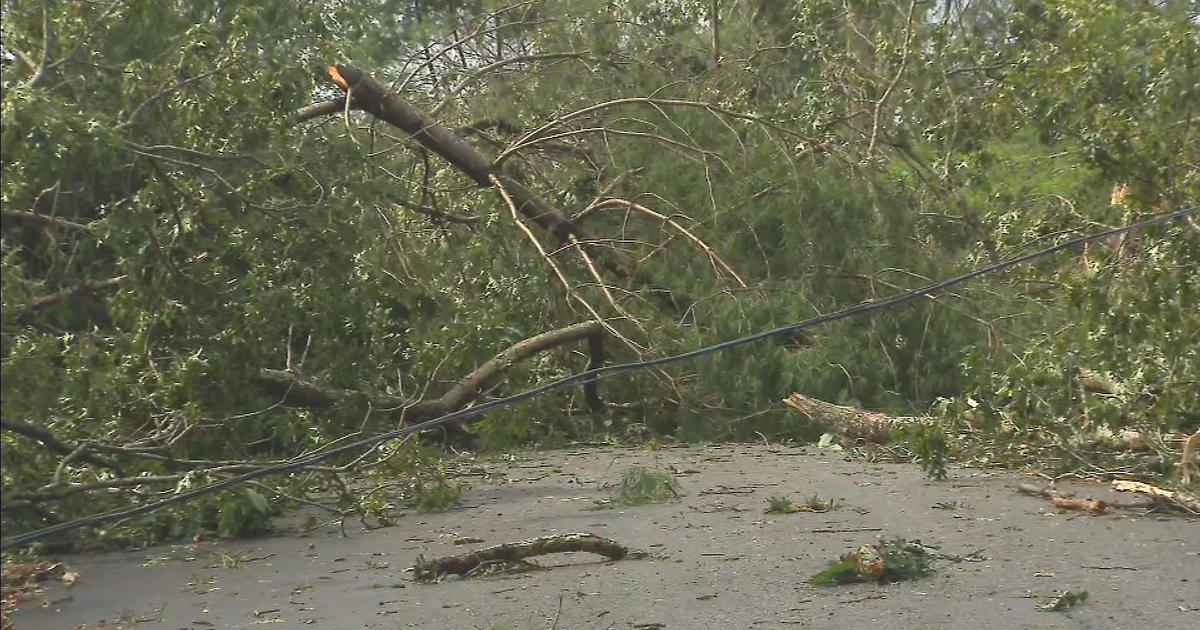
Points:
[640,486]
[1065,601]
[886,561]
[19,583]
[511,556]
[784,505]
[1179,498]
[1065,501]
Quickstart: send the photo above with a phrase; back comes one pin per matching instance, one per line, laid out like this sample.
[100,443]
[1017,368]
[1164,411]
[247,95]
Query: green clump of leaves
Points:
[784,505]
[427,484]
[893,560]
[930,448]
[640,486]
[440,497]
[1065,600]
[243,514]
[781,505]
[844,570]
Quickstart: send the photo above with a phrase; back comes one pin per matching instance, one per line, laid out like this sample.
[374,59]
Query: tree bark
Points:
[850,422]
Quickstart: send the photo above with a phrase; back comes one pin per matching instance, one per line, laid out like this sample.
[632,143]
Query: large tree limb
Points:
[368,95]
[850,422]
[297,393]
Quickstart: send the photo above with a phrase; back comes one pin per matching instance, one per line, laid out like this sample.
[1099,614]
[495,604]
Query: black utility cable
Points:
[588,376]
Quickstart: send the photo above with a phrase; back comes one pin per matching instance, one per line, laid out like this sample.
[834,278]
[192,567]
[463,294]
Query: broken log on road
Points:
[512,556]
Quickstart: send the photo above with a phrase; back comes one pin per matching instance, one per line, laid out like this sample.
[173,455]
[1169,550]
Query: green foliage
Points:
[930,448]
[415,475]
[242,514]
[1065,600]
[640,486]
[169,231]
[844,570]
[781,505]
[784,505]
[439,498]
[893,560]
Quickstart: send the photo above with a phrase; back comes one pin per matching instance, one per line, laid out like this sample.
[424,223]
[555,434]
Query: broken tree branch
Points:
[515,553]
[316,110]
[851,422]
[370,96]
[469,388]
[1179,498]
[297,393]
[1063,501]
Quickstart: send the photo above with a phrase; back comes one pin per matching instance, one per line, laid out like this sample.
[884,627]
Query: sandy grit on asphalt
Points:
[716,560]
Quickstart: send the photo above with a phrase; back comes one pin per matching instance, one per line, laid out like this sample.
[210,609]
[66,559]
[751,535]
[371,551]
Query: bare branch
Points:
[695,240]
[87,286]
[553,264]
[316,110]
[514,149]
[51,442]
[479,72]
[470,387]
[579,113]
[908,33]
[479,30]
[26,60]
[47,219]
[47,41]
[298,393]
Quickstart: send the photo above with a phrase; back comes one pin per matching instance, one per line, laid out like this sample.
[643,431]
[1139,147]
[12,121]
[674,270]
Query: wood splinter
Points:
[510,554]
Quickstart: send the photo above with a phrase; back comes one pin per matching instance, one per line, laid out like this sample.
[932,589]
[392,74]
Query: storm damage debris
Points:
[510,557]
[893,560]
[1065,501]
